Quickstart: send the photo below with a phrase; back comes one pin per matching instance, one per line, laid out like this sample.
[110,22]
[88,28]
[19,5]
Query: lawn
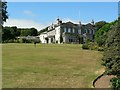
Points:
[49,66]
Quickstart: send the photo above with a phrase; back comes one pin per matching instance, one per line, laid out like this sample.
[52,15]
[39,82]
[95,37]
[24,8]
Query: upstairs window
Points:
[65,30]
[69,30]
[85,31]
[73,30]
[88,31]
[79,31]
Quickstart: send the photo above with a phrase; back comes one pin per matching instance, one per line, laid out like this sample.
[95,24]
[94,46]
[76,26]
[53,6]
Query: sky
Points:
[42,14]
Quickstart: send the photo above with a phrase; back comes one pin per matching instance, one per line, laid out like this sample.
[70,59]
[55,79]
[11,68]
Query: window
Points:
[65,30]
[85,31]
[79,31]
[73,30]
[88,31]
[91,31]
[69,30]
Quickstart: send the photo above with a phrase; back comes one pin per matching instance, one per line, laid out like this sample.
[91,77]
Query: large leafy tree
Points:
[111,59]
[101,34]
[100,24]
[34,32]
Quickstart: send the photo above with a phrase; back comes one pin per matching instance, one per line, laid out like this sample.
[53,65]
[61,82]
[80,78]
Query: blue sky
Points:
[41,14]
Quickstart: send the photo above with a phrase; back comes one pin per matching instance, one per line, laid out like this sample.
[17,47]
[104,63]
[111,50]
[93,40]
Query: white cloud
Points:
[27,12]
[24,24]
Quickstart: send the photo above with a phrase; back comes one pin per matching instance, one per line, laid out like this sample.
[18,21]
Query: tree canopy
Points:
[99,24]
[101,34]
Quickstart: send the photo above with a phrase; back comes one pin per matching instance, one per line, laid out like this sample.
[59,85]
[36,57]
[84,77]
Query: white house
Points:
[43,37]
[68,33]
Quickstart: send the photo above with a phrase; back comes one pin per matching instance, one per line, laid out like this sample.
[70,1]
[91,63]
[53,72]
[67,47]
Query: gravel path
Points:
[104,81]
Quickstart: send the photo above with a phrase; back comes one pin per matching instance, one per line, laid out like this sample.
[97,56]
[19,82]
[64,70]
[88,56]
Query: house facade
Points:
[69,32]
[43,37]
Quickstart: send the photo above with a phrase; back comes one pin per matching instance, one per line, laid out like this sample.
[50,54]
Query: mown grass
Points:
[49,66]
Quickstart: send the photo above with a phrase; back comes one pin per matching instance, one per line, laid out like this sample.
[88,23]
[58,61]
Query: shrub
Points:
[23,40]
[92,46]
[111,57]
[85,46]
[29,41]
[17,41]
[115,83]
[20,40]
[100,49]
[10,41]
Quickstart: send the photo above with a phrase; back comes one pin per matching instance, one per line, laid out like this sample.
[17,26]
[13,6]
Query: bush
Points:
[100,49]
[92,46]
[115,83]
[29,41]
[23,40]
[10,41]
[85,46]
[20,40]
[17,41]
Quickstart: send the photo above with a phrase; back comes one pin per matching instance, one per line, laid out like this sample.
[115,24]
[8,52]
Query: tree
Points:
[100,24]
[3,12]
[6,34]
[101,34]
[28,32]
[111,58]
[3,16]
[34,32]
[43,30]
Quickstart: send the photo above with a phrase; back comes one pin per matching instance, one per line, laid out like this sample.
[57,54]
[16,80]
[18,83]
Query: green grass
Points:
[49,66]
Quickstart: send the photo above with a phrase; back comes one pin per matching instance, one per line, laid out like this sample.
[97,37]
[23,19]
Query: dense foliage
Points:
[111,59]
[115,83]
[28,32]
[10,33]
[99,24]
[101,34]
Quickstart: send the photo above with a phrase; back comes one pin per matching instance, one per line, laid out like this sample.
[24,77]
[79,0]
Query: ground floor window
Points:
[51,39]
[70,40]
